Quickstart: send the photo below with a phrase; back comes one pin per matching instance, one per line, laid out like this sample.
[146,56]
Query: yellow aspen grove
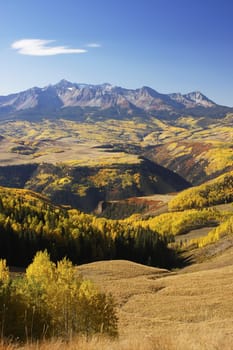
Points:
[52,300]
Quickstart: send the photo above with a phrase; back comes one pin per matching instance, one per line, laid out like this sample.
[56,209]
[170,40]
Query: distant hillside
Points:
[83,187]
[204,152]
[197,149]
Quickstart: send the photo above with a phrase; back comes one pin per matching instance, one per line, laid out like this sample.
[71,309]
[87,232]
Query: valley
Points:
[116,175]
[136,189]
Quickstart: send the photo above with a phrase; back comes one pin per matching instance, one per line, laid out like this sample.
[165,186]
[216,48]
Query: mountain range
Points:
[72,100]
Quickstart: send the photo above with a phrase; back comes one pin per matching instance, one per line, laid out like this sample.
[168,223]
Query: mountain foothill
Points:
[102,180]
[111,151]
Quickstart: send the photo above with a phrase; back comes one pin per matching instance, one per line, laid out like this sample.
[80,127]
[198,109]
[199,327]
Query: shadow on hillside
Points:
[178,260]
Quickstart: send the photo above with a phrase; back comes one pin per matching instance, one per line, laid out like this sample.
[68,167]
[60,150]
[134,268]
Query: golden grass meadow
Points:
[191,308]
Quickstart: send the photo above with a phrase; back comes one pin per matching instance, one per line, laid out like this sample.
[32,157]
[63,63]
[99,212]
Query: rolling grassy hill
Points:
[162,310]
[181,311]
[189,308]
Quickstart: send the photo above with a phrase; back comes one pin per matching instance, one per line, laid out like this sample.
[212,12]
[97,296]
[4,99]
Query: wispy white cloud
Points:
[93,45]
[40,47]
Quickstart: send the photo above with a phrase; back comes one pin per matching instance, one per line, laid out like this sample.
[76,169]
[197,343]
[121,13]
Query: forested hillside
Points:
[84,186]
[216,191]
[30,222]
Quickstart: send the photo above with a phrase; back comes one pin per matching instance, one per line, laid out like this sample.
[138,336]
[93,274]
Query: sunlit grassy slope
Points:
[194,309]
[196,148]
[162,310]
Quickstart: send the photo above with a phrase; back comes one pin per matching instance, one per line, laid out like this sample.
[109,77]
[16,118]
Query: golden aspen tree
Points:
[41,270]
[4,271]
[73,305]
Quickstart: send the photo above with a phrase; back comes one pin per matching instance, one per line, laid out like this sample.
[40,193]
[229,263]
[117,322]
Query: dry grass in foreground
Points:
[191,310]
[160,310]
[181,342]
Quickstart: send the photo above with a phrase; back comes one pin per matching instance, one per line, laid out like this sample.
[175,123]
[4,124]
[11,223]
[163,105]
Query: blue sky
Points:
[169,45]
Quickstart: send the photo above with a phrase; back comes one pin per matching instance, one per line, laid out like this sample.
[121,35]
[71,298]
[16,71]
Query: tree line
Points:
[29,223]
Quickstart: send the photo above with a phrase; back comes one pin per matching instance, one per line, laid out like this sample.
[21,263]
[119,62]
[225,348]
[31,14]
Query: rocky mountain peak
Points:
[200,99]
[104,97]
